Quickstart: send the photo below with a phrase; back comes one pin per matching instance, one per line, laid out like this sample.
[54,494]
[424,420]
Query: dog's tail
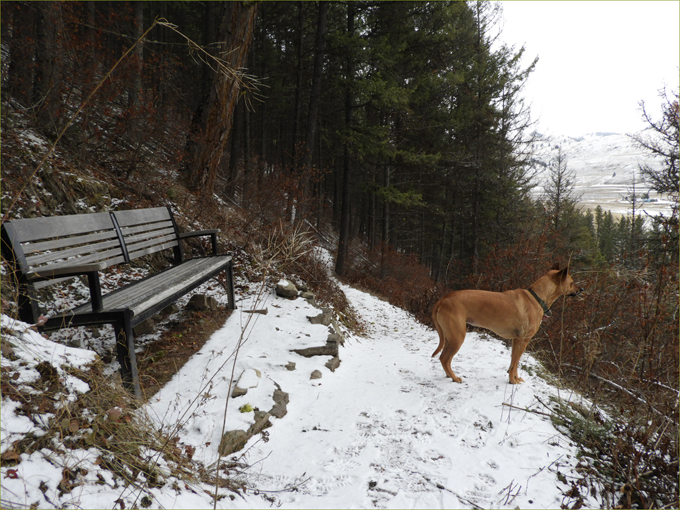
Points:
[435,321]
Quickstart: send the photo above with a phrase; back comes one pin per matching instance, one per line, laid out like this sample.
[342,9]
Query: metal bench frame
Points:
[49,250]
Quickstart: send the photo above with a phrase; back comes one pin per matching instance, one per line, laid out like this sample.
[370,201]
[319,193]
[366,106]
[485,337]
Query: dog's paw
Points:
[457,379]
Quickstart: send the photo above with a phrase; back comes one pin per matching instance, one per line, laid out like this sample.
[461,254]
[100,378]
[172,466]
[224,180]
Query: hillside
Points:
[605,166]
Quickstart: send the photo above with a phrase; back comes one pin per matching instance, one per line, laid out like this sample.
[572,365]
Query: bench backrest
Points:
[111,238]
[60,241]
[147,231]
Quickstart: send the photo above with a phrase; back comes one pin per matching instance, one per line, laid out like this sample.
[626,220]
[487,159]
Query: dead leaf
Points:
[74,426]
[114,414]
[11,456]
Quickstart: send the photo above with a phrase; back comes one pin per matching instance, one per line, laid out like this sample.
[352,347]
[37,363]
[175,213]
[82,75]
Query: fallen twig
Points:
[527,410]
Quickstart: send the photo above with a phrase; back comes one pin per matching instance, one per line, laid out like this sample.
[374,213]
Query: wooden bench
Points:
[49,250]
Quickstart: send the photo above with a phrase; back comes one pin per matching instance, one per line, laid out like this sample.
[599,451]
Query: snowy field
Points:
[605,166]
[386,429]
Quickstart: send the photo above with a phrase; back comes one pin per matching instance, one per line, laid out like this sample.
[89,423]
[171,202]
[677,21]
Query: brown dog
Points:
[514,314]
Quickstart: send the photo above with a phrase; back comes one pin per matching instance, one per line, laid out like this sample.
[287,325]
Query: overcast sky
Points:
[597,60]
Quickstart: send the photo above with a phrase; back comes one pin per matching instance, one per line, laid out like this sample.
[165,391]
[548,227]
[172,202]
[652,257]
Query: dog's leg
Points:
[437,327]
[453,340]
[442,340]
[518,347]
[445,360]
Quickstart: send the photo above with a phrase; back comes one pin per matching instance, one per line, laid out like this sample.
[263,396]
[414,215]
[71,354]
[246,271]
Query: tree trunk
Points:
[314,100]
[210,136]
[135,91]
[47,85]
[343,238]
[315,96]
[295,149]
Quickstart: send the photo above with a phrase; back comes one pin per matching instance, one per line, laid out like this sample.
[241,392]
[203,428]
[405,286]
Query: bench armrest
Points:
[66,271]
[198,233]
[89,270]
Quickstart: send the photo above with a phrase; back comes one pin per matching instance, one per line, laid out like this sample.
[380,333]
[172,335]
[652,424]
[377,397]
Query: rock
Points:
[233,441]
[335,330]
[316,375]
[290,366]
[334,337]
[264,311]
[280,408]
[74,342]
[202,302]
[333,363]
[261,422]
[281,397]
[8,351]
[286,289]
[250,378]
[238,392]
[144,328]
[278,411]
[170,309]
[330,349]
[311,298]
[324,317]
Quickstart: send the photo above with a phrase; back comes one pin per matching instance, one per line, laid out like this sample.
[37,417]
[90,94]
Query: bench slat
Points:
[139,216]
[45,258]
[145,248]
[146,227]
[33,229]
[47,283]
[66,242]
[149,251]
[130,240]
[114,257]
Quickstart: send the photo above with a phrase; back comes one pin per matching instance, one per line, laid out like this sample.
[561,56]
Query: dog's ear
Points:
[555,267]
[563,273]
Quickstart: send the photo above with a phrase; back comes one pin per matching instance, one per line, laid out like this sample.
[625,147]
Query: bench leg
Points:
[125,347]
[230,286]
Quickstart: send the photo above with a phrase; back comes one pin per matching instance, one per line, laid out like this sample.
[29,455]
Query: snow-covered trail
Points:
[387,429]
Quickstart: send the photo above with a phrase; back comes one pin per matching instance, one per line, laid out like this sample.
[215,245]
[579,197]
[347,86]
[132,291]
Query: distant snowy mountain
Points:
[606,166]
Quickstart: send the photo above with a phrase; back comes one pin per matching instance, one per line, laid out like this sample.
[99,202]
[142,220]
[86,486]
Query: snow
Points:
[605,166]
[386,429]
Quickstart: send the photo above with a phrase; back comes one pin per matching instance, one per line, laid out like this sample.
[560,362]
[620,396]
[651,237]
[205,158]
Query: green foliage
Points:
[404,198]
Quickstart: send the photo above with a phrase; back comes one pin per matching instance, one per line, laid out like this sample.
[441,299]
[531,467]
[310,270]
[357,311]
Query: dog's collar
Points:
[546,310]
